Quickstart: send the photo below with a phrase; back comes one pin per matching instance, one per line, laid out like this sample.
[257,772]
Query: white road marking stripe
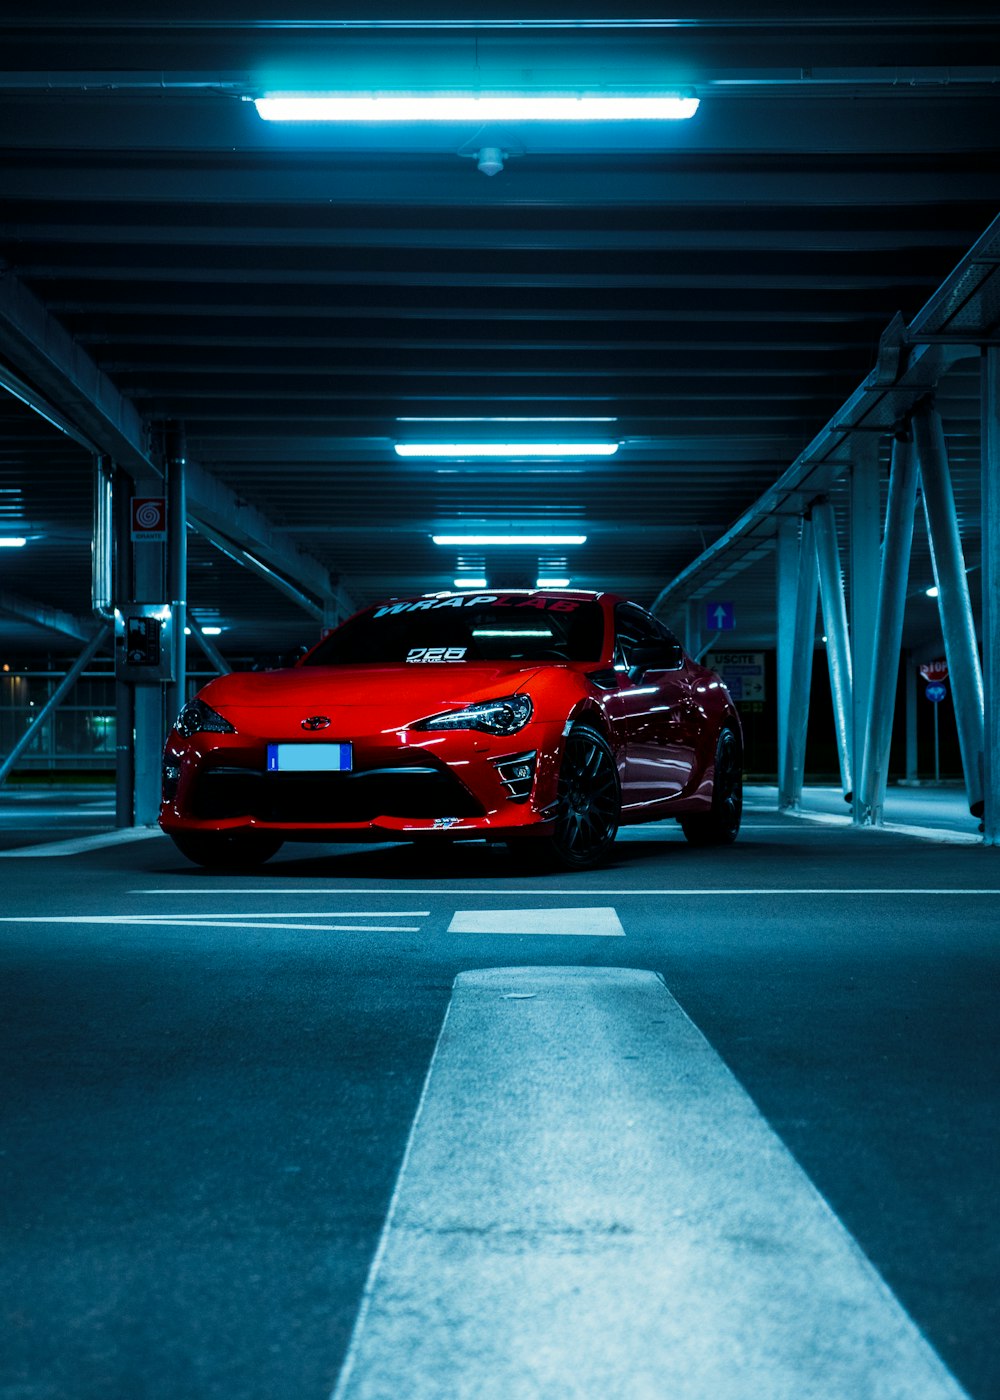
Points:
[85,843]
[223,921]
[578,893]
[581,923]
[591,1205]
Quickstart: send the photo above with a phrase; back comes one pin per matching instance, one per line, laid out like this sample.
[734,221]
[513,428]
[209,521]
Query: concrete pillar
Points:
[888,631]
[803,646]
[786,579]
[838,644]
[991,582]
[176,464]
[143,579]
[864,562]
[955,607]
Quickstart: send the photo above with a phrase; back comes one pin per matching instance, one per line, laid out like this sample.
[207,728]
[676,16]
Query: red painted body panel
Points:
[662,729]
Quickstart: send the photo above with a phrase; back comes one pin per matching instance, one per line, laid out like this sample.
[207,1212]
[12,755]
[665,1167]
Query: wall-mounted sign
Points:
[742,673]
[720,617]
[149,519]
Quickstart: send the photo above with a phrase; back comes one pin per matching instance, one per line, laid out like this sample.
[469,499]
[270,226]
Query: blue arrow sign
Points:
[936,692]
[720,617]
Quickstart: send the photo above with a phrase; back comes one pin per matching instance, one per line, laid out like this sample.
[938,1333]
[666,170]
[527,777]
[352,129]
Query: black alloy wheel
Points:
[588,804]
[227,850]
[720,826]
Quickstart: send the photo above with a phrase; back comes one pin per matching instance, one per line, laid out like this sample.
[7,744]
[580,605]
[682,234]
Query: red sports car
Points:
[545,719]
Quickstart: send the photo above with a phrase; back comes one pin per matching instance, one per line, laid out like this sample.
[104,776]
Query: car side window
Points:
[636,632]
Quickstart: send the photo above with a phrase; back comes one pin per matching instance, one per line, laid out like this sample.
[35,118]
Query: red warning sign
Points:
[935,671]
[149,519]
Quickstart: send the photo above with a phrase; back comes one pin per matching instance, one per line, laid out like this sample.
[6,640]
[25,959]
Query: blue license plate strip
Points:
[309,758]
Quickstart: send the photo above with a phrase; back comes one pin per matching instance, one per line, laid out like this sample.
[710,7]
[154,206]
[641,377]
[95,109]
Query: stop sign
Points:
[935,670]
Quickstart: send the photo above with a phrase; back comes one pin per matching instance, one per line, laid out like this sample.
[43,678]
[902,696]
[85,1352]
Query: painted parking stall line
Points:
[579,923]
[373,922]
[616,1219]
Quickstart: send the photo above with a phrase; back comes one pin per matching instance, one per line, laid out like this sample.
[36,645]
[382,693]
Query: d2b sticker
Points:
[424,654]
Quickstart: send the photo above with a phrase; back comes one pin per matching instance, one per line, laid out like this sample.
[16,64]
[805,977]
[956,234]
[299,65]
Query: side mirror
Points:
[655,656]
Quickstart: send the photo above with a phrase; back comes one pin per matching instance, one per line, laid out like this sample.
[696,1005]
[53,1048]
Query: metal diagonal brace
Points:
[56,698]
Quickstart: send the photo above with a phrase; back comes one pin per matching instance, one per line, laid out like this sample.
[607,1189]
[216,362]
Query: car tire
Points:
[588,806]
[227,850]
[720,826]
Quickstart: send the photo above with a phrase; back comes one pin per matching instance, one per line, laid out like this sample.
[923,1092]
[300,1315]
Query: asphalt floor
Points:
[209,1081]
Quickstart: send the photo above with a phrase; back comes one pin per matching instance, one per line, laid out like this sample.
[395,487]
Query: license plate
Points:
[308,758]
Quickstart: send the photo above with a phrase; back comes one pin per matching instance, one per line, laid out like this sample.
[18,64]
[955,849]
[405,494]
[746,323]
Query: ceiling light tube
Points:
[474,107]
[506,449]
[12,541]
[506,420]
[470,583]
[551,582]
[508,539]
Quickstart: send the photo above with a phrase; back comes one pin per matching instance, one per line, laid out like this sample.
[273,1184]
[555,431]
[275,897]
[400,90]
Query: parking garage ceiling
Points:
[303,298]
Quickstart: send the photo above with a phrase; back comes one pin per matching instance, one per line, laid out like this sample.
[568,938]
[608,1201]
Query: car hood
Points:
[274,703]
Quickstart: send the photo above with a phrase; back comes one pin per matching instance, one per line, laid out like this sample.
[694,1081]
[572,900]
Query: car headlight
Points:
[197,717]
[504,716]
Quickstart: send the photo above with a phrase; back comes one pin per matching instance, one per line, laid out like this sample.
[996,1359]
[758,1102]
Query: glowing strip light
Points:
[506,420]
[551,582]
[470,583]
[500,632]
[508,539]
[12,541]
[506,449]
[473,107]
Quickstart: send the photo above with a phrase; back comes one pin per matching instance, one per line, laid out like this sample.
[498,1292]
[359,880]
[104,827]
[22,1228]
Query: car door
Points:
[652,710]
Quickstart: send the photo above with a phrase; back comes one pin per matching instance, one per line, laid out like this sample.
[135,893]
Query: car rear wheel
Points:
[227,850]
[720,826]
[588,805]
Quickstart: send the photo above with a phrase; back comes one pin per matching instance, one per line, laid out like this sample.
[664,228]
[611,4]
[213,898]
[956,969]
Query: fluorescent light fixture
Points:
[474,107]
[508,539]
[551,582]
[12,541]
[506,420]
[205,631]
[931,592]
[470,583]
[501,632]
[506,449]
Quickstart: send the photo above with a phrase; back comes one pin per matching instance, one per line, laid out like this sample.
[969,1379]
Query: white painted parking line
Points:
[590,1205]
[248,921]
[580,923]
[675,892]
[79,845]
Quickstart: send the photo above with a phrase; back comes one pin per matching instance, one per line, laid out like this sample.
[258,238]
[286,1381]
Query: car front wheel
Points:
[588,805]
[226,850]
[720,825]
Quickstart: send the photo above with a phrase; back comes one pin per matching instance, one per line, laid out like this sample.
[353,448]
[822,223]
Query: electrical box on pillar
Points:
[144,642]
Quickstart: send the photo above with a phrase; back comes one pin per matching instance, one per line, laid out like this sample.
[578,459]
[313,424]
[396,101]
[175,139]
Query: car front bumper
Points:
[402,784]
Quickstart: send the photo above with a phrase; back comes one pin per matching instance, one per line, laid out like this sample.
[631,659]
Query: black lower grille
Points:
[331,797]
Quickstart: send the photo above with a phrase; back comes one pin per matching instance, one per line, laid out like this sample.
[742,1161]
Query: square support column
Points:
[865,551]
[991,582]
[786,580]
[800,686]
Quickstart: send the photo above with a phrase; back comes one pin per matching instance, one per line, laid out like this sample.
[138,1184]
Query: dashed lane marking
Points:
[581,923]
[591,1205]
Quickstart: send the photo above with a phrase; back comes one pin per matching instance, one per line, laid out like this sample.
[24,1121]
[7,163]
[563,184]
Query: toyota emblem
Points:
[316,722]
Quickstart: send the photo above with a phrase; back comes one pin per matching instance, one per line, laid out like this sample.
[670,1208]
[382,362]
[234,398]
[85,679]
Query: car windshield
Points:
[483,627]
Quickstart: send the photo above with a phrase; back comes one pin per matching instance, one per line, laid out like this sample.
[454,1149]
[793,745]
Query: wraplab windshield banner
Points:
[478,600]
